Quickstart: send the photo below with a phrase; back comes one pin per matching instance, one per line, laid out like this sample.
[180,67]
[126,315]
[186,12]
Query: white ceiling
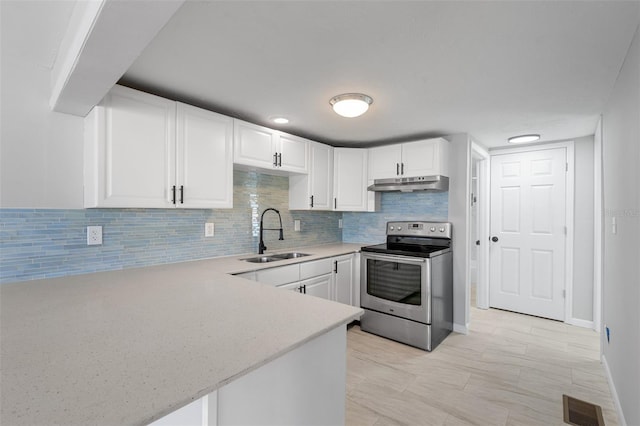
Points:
[491,69]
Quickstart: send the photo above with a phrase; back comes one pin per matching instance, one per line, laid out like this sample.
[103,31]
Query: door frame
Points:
[569,215]
[484,220]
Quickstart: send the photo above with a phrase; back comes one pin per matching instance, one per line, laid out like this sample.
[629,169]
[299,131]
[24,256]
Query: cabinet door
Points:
[319,286]
[204,165]
[321,176]
[350,179]
[425,158]
[384,162]
[343,275]
[293,154]
[130,151]
[253,145]
[317,184]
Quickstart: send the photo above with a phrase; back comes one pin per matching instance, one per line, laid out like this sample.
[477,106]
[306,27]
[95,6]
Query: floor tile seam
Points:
[440,406]
[522,393]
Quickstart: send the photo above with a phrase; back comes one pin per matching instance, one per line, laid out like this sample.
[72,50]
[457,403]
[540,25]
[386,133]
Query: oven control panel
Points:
[420,229]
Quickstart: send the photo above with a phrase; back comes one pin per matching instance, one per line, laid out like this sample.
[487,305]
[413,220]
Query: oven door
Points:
[396,285]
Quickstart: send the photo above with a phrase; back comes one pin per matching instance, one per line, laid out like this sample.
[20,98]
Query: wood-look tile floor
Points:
[510,369]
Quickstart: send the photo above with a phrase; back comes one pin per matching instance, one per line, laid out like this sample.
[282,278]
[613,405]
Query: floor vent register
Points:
[581,413]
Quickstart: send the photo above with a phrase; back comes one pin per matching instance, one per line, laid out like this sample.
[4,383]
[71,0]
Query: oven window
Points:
[394,281]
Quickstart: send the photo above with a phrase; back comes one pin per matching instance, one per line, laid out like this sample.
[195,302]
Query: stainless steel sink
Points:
[275,257]
[292,255]
[262,259]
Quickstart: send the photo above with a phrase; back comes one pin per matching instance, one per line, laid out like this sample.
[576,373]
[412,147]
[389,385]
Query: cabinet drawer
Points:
[315,268]
[279,276]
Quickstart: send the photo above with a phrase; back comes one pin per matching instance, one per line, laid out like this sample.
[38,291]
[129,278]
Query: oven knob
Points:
[391,227]
[399,227]
[432,229]
[441,229]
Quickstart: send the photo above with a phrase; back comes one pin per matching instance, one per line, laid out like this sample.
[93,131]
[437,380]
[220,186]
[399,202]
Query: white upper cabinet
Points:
[293,153]
[204,164]
[145,151]
[350,180]
[314,191]
[264,148]
[384,161]
[420,158]
[130,143]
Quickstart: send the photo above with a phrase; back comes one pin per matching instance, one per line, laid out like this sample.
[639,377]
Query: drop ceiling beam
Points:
[103,39]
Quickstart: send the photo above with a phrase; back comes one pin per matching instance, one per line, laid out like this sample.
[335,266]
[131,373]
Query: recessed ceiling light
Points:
[524,138]
[351,105]
[280,120]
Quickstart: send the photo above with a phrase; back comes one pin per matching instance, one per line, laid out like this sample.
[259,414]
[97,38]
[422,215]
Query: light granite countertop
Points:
[130,346]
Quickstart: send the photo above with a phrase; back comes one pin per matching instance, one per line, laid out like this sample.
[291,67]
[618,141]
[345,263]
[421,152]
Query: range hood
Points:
[419,183]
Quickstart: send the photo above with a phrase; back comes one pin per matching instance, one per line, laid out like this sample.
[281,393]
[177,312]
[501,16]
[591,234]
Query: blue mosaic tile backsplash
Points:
[370,228]
[51,243]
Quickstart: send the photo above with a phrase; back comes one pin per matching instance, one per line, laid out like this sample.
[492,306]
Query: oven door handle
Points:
[394,258]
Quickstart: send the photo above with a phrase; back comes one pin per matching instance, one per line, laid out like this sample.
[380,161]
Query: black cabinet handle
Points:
[477,242]
[335,203]
[335,266]
[312,201]
[494,239]
[304,289]
[402,168]
[397,169]
[181,194]
[275,159]
[173,196]
[280,160]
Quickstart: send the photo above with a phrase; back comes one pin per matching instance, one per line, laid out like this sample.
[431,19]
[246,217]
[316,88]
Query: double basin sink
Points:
[275,257]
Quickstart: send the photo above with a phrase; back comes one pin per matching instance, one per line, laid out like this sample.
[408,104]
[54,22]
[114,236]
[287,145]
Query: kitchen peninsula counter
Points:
[130,346]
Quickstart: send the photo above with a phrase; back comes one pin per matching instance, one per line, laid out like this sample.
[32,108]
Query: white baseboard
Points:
[582,323]
[462,329]
[614,394]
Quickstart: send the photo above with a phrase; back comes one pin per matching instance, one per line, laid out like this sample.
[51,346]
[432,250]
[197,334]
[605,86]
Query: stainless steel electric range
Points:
[406,286]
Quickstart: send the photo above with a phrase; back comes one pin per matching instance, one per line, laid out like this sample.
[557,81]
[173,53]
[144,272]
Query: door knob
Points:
[494,239]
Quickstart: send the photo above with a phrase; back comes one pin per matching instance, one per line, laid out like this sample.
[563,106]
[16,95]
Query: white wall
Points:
[459,216]
[583,230]
[621,284]
[40,150]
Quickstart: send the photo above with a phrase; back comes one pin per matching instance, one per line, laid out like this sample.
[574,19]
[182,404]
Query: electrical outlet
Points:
[340,223]
[296,225]
[94,235]
[209,229]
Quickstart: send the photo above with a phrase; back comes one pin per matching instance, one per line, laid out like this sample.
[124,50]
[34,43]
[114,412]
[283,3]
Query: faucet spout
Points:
[262,247]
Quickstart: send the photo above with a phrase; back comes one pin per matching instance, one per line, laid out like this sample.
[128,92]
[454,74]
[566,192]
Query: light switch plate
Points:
[340,223]
[296,225]
[209,229]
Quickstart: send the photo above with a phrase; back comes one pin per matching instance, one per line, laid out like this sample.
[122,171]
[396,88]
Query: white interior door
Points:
[528,231]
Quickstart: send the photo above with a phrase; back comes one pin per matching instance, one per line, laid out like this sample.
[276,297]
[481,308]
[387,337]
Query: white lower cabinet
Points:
[332,278]
[319,286]
[306,386]
[344,278]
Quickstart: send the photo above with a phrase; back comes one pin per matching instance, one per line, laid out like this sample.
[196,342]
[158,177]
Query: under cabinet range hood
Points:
[419,183]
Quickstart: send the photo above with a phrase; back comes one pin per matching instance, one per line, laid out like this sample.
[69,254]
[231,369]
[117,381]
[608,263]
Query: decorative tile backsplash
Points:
[46,243]
[370,228]
[50,243]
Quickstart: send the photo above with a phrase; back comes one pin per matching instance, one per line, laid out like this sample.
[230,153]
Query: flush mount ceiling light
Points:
[524,138]
[280,120]
[351,105]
